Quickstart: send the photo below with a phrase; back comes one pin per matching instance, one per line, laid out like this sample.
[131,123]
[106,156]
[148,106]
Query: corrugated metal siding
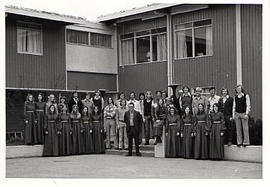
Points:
[143,77]
[91,81]
[251,16]
[220,69]
[32,71]
[138,25]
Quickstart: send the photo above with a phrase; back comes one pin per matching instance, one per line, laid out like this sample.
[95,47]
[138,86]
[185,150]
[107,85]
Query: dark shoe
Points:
[146,143]
[128,154]
[126,149]
[138,154]
[116,148]
[229,143]
[244,145]
[239,145]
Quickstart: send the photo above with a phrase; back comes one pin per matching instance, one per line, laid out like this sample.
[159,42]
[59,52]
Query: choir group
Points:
[195,126]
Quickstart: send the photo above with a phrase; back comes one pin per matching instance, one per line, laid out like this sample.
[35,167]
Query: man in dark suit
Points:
[75,101]
[133,120]
[226,105]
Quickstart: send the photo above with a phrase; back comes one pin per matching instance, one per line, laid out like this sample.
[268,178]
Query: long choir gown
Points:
[75,126]
[87,138]
[40,114]
[216,144]
[30,128]
[98,133]
[51,138]
[201,129]
[187,128]
[171,140]
[65,138]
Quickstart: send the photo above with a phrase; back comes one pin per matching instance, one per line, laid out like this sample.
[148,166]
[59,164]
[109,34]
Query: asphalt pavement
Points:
[115,166]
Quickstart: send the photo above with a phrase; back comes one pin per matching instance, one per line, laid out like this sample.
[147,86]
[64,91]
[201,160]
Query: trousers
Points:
[133,134]
[242,124]
[110,127]
[123,140]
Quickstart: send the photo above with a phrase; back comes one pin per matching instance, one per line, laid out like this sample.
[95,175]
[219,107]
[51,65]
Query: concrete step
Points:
[125,152]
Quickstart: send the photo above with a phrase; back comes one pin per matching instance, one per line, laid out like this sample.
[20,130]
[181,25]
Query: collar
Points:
[188,94]
[241,94]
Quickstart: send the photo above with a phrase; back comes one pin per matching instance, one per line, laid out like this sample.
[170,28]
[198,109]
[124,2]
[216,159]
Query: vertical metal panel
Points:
[142,77]
[220,69]
[252,55]
[91,81]
[33,71]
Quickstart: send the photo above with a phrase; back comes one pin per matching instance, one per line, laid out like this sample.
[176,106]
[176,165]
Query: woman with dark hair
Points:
[51,146]
[75,117]
[201,131]
[187,128]
[98,131]
[30,128]
[40,113]
[98,101]
[217,129]
[62,104]
[65,129]
[87,132]
[241,109]
[159,120]
[185,100]
[172,129]
[110,124]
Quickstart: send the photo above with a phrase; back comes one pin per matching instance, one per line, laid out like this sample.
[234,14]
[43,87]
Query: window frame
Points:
[71,43]
[41,40]
[192,28]
[135,37]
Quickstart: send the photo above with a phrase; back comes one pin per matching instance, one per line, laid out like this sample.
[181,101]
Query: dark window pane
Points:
[203,41]
[124,36]
[159,30]
[141,33]
[201,23]
[143,49]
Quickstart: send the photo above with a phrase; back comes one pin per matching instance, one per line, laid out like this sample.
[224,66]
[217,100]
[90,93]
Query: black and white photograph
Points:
[133,90]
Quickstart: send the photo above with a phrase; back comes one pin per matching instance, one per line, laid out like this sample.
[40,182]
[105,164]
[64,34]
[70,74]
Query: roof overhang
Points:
[44,15]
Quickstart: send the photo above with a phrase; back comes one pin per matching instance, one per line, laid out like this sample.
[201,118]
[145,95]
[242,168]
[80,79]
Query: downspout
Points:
[169,53]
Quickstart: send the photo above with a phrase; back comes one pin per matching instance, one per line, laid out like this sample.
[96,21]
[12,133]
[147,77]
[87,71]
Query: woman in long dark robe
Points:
[160,119]
[50,128]
[187,128]
[201,131]
[172,129]
[87,136]
[98,131]
[40,115]
[217,129]
[75,117]
[30,128]
[64,137]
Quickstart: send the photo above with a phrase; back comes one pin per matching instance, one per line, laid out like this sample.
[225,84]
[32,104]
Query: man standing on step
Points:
[133,120]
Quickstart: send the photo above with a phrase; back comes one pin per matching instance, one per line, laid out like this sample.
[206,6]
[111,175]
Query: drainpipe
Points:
[238,44]
[169,53]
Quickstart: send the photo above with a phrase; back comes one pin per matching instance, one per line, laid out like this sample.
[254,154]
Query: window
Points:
[144,46]
[29,38]
[193,39]
[77,37]
[101,40]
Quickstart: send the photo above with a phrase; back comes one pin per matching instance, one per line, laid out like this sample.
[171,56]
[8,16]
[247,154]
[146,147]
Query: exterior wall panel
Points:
[251,27]
[219,69]
[91,81]
[36,71]
[143,77]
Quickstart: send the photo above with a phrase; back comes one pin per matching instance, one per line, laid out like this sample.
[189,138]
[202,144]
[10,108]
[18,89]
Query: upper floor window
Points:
[77,37]
[101,40]
[29,38]
[194,39]
[144,46]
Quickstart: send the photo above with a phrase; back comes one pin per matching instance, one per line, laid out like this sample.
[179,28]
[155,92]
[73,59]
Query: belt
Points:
[96,121]
[40,110]
[75,121]
[216,122]
[64,121]
[122,121]
[85,122]
[109,118]
[187,124]
[29,111]
[172,124]
[201,121]
[51,121]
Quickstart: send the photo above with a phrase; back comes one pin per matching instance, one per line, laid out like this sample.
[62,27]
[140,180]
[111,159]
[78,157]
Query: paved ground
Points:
[115,166]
